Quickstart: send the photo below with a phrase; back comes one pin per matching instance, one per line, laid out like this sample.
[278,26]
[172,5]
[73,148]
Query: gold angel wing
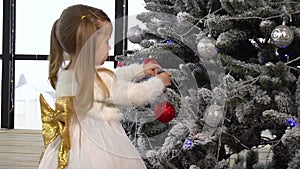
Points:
[49,126]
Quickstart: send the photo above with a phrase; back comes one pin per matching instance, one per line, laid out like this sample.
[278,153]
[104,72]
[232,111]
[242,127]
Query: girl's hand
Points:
[151,68]
[165,77]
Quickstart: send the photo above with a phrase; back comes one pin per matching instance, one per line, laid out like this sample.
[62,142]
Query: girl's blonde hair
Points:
[70,33]
[77,33]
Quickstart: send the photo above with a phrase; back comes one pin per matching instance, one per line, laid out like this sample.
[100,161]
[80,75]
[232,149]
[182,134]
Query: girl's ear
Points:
[99,24]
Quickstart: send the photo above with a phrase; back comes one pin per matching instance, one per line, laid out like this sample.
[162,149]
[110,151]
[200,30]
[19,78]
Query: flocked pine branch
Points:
[298,96]
[259,84]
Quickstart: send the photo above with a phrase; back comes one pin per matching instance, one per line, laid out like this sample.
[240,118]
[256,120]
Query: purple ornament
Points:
[188,143]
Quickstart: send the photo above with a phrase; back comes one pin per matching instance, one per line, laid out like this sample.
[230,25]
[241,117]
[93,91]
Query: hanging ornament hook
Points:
[285,19]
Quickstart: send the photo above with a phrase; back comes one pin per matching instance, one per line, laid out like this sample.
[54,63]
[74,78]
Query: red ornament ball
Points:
[150,60]
[164,112]
[120,64]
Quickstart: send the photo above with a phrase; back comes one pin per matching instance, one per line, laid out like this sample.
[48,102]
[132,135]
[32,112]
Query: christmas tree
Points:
[234,77]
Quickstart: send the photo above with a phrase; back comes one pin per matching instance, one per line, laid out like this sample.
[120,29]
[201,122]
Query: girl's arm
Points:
[124,92]
[130,72]
[136,71]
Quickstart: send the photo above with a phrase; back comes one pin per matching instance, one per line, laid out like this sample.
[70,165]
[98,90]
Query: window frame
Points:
[9,57]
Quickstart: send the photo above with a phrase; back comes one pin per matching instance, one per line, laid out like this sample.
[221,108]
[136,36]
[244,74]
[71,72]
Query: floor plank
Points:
[20,149]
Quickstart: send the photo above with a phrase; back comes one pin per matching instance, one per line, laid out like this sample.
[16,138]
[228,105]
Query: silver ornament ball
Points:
[135,34]
[207,47]
[282,36]
[214,115]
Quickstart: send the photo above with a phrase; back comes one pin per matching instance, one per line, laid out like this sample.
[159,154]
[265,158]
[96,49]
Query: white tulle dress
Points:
[99,141]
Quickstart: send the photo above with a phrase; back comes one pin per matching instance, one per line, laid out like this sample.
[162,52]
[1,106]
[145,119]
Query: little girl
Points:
[84,130]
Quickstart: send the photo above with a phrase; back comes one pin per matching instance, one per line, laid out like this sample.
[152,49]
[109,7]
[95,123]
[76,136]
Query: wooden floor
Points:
[20,149]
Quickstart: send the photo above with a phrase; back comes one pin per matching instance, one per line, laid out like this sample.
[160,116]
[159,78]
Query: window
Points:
[1,28]
[31,80]
[34,19]
[134,8]
[1,19]
[0,86]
